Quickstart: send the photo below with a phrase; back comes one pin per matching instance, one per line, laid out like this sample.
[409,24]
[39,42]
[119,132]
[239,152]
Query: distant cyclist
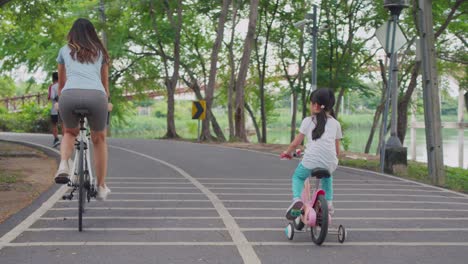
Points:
[54,115]
[83,68]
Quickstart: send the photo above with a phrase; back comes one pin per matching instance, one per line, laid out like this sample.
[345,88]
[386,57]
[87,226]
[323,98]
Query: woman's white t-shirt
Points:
[322,151]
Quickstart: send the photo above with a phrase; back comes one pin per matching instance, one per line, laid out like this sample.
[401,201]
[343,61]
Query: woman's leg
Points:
[100,155]
[300,175]
[68,141]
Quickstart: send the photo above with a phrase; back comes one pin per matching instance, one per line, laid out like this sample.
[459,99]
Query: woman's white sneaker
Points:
[62,176]
[103,191]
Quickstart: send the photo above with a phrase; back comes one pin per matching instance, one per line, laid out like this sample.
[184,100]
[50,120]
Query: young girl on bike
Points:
[83,66]
[323,134]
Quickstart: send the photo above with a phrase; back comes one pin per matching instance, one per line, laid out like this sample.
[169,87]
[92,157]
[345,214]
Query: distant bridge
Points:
[14,104]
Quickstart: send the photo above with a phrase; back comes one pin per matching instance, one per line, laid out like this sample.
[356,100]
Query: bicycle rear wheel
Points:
[320,230]
[81,193]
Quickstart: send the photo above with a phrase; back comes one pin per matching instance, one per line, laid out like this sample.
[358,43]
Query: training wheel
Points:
[298,224]
[289,231]
[341,234]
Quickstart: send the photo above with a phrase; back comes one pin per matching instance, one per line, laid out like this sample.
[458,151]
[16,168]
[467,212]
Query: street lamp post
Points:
[392,152]
[310,22]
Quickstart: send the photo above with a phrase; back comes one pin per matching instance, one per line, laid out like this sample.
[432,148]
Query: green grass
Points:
[456,178]
[8,178]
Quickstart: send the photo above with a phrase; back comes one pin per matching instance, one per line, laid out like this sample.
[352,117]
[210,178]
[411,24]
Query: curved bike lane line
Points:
[240,241]
[244,247]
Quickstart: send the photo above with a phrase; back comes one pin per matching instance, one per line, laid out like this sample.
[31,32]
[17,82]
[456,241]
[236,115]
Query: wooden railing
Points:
[14,104]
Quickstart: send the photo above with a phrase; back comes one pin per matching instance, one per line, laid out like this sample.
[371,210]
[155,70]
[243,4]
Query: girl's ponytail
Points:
[326,100]
[320,127]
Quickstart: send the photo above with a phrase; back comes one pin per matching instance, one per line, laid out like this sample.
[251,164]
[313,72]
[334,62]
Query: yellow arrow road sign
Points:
[199,109]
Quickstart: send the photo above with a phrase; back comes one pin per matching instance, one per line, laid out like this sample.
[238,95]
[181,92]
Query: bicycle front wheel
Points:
[81,193]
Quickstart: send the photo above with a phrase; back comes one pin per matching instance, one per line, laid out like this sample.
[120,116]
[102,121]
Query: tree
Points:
[240,83]
[206,134]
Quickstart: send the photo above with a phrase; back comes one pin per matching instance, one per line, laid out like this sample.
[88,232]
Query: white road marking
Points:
[292,243]
[134,208]
[359,209]
[158,193]
[240,179]
[370,244]
[149,183]
[26,223]
[63,218]
[149,200]
[245,249]
[152,188]
[360,218]
[368,229]
[254,229]
[128,229]
[91,243]
[349,201]
[289,188]
[347,194]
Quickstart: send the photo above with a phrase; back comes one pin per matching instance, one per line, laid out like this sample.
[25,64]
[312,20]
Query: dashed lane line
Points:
[293,244]
[240,241]
[248,208]
[134,208]
[245,218]
[254,229]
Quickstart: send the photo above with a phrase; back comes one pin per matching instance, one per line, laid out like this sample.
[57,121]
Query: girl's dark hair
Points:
[325,98]
[84,42]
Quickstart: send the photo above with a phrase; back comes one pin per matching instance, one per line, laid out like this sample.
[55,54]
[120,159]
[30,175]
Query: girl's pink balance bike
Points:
[314,213]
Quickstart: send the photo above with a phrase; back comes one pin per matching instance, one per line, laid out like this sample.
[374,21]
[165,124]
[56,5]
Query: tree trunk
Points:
[403,103]
[254,121]
[206,134]
[338,101]
[262,69]
[232,66]
[239,113]
[176,25]
[378,111]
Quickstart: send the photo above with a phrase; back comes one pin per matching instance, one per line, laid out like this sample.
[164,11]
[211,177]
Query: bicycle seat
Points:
[81,111]
[320,173]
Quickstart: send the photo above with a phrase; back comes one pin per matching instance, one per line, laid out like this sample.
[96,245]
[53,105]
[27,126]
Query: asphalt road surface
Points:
[176,202]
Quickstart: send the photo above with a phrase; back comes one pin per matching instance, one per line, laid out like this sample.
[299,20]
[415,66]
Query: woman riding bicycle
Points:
[83,67]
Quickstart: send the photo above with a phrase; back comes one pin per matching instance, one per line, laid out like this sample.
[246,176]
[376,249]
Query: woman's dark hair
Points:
[326,100]
[84,42]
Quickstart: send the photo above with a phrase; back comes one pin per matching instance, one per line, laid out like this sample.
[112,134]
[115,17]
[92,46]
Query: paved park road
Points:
[175,202]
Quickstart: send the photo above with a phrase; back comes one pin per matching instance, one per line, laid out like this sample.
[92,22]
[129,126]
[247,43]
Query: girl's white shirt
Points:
[322,151]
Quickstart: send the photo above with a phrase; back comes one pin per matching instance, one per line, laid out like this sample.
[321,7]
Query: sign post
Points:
[199,112]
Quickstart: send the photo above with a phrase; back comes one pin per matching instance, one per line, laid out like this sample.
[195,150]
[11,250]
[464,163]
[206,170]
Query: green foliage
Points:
[32,118]
[7,86]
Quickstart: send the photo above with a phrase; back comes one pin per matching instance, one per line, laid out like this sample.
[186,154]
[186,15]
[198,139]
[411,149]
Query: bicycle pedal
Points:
[296,212]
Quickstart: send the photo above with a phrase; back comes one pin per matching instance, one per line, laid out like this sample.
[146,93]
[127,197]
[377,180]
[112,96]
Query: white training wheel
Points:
[289,231]
[341,234]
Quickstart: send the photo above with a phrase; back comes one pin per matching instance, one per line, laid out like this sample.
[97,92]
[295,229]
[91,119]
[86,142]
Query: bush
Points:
[33,118]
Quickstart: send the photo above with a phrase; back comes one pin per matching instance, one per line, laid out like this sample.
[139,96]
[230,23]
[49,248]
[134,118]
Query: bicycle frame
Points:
[83,136]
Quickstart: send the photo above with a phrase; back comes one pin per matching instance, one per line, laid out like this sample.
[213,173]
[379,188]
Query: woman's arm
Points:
[62,77]
[105,78]
[296,142]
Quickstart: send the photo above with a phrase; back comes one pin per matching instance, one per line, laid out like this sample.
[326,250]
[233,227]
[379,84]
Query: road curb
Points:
[22,214]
